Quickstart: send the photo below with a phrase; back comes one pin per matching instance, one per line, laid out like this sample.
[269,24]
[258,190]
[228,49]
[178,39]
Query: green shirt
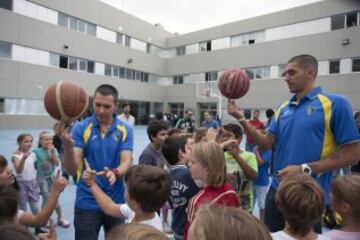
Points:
[44,165]
[242,185]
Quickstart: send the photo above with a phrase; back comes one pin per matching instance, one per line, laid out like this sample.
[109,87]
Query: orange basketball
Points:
[234,83]
[66,101]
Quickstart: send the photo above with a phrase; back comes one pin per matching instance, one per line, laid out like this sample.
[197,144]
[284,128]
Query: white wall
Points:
[192,48]
[106,34]
[33,10]
[30,55]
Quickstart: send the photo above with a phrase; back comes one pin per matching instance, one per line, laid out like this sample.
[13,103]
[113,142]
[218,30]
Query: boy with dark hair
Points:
[241,166]
[183,187]
[147,189]
[157,132]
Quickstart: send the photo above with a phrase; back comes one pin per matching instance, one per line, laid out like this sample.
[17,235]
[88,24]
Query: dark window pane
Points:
[73,23]
[63,20]
[73,63]
[119,38]
[91,29]
[334,66]
[148,47]
[6,4]
[250,72]
[129,74]
[127,41]
[137,75]
[63,62]
[351,19]
[82,65]
[5,50]
[146,77]
[81,26]
[356,65]
[122,73]
[2,108]
[91,66]
[108,70]
[337,22]
[116,72]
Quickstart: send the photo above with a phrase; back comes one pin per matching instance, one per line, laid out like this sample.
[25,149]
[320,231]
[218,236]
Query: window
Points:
[211,76]
[282,68]
[334,66]
[127,41]
[205,46]
[356,65]
[63,62]
[91,29]
[148,47]
[145,77]
[122,73]
[82,65]
[63,20]
[81,26]
[5,50]
[116,71]
[178,79]
[351,19]
[54,59]
[250,72]
[73,63]
[180,51]
[6,4]
[337,22]
[129,74]
[2,105]
[90,66]
[107,70]
[73,23]
[119,38]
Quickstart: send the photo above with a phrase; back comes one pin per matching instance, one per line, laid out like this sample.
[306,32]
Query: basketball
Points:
[234,83]
[66,101]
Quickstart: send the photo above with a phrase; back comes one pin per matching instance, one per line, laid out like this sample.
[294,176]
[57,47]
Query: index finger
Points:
[87,165]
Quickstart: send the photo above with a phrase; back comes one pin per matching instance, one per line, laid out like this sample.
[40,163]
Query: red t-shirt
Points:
[224,195]
[257,124]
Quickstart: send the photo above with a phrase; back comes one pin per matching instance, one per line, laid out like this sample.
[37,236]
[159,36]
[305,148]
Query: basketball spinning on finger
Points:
[234,83]
[66,101]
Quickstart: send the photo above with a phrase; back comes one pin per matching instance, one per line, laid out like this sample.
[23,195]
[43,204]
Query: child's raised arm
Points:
[105,202]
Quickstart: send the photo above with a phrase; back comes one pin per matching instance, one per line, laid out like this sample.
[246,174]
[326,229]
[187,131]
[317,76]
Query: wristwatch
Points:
[306,169]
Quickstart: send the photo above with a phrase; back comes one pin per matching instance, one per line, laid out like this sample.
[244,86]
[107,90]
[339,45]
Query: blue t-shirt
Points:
[312,130]
[211,123]
[101,151]
[262,178]
[183,188]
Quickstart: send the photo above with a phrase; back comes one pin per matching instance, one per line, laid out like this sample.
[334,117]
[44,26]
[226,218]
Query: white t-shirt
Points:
[19,214]
[129,215]
[281,235]
[29,171]
[130,120]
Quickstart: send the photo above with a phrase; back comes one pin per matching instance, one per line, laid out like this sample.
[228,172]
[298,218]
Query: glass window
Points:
[146,77]
[281,70]
[250,72]
[202,47]
[116,71]
[73,23]
[334,66]
[6,4]
[337,22]
[90,66]
[82,65]
[129,74]
[211,76]
[107,70]
[2,105]
[73,62]
[54,59]
[63,62]
[63,20]
[119,38]
[356,65]
[245,39]
[5,50]
[127,41]
[137,75]
[91,29]
[122,73]
[178,79]
[81,26]
[351,19]
[180,51]
[148,47]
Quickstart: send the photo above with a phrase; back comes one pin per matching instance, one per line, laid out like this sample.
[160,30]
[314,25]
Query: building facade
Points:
[90,42]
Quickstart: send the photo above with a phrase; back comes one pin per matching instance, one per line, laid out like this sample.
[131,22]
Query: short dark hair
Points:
[156,126]
[269,113]
[173,131]
[235,129]
[357,114]
[15,231]
[149,186]
[171,146]
[125,105]
[106,90]
[306,61]
[8,203]
[3,162]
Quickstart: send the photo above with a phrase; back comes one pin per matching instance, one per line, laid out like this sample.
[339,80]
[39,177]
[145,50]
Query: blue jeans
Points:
[274,218]
[88,223]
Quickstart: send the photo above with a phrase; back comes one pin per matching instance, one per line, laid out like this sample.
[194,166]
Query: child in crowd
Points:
[46,160]
[9,200]
[301,201]
[24,164]
[147,189]
[183,187]
[345,200]
[220,222]
[136,231]
[261,183]
[207,164]
[241,166]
